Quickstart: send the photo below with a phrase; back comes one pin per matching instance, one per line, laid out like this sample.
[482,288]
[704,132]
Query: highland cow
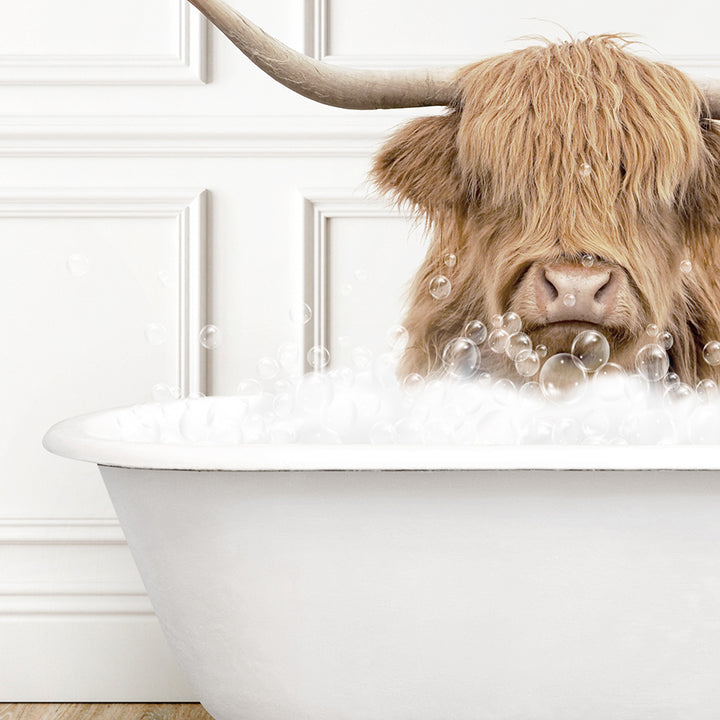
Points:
[546,156]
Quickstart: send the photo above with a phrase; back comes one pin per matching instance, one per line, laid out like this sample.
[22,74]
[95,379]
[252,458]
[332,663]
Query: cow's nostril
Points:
[603,291]
[550,289]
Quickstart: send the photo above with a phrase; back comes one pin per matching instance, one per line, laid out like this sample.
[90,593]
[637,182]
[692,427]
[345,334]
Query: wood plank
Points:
[103,711]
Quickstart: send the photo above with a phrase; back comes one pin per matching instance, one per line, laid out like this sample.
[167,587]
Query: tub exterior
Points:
[437,595]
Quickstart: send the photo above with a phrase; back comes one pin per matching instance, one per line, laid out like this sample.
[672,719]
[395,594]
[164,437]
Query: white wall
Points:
[193,189]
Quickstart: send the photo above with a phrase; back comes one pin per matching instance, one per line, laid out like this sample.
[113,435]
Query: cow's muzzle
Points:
[571,293]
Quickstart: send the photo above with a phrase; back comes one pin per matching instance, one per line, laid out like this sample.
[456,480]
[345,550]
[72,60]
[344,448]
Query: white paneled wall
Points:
[150,174]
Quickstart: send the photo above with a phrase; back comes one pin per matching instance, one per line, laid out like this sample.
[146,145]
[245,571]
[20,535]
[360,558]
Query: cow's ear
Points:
[418,164]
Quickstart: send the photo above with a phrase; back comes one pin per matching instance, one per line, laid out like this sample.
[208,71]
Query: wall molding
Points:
[187,66]
[186,206]
[321,206]
[61,531]
[355,134]
[318,45]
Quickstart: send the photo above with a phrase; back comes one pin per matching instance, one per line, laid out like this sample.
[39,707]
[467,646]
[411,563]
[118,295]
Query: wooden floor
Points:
[103,711]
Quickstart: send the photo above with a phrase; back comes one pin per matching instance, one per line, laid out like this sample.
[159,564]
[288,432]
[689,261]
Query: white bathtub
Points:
[420,583]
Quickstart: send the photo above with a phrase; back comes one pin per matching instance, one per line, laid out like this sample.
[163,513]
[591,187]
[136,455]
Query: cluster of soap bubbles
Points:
[578,398]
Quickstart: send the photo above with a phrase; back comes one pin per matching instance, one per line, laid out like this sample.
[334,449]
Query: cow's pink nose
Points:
[573,293]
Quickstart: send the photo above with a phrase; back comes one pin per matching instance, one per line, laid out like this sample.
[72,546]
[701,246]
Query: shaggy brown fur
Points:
[498,179]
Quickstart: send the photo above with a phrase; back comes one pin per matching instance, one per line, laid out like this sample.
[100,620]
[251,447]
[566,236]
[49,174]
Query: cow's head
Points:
[570,180]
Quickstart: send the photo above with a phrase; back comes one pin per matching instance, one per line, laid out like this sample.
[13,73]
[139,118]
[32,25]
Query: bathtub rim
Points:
[71,438]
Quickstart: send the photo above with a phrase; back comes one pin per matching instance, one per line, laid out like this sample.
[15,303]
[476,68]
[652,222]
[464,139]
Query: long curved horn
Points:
[325,83]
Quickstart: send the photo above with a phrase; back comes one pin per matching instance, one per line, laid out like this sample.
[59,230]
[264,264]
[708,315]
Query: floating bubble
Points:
[268,368]
[346,289]
[318,357]
[498,340]
[592,349]
[361,275]
[569,300]
[503,391]
[210,337]
[450,259]
[440,287]
[78,264]
[161,392]
[288,356]
[541,351]
[165,278]
[707,390]
[678,392]
[516,342]
[685,266]
[283,404]
[671,379]
[361,357]
[609,381]
[652,330]
[413,383]
[665,340]
[155,333]
[461,358]
[300,314]
[397,339]
[588,260]
[511,323]
[527,363]
[652,362]
[249,388]
[531,390]
[497,321]
[585,170]
[476,331]
[562,377]
[711,353]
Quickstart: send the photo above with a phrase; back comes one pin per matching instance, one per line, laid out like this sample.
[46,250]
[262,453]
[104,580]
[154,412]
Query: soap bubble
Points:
[450,259]
[711,353]
[77,265]
[609,381]
[517,342]
[585,169]
[162,392]
[461,358]
[531,390]
[268,368]
[569,300]
[440,287]
[397,338]
[588,260]
[541,351]
[383,433]
[685,266]
[671,379]
[497,321]
[503,391]
[283,404]
[194,425]
[652,330]
[476,331]
[707,390]
[645,427]
[300,314]
[314,392]
[384,370]
[318,357]
[665,340]
[562,377]
[288,355]
[652,362]
[413,383]
[527,363]
[498,340]
[361,275]
[249,388]
[155,333]
[210,337]
[346,289]
[361,357]
[165,278]
[567,431]
[511,323]
[596,423]
[592,349]
[678,391]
